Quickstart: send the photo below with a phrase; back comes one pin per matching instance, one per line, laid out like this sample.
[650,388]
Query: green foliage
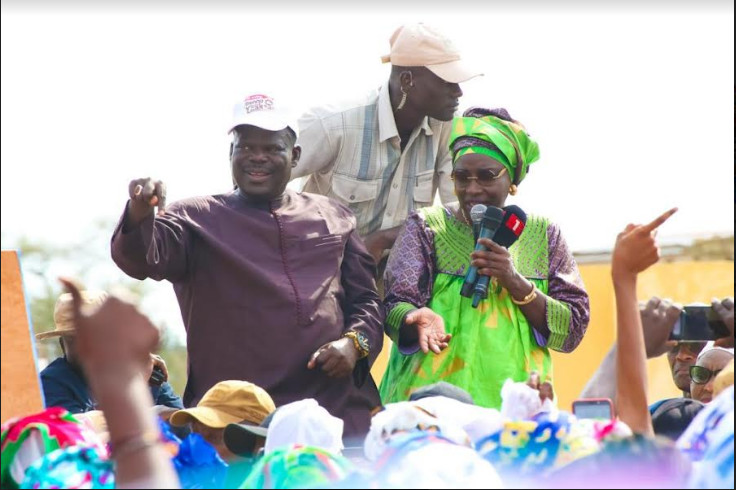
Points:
[86,260]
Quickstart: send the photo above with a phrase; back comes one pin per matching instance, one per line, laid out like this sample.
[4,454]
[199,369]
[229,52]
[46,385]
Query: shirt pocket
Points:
[424,189]
[354,191]
[321,243]
[358,195]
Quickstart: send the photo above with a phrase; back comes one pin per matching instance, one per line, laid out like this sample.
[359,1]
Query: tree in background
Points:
[87,260]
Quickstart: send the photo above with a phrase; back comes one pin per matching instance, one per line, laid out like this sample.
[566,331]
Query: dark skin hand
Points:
[496,262]
[381,240]
[337,358]
[429,331]
[658,317]
[145,194]
[545,389]
[725,311]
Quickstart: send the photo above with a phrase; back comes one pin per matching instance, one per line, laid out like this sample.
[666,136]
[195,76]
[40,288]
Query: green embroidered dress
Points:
[495,341]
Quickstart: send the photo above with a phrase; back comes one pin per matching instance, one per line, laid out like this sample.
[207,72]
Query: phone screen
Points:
[698,323]
[592,409]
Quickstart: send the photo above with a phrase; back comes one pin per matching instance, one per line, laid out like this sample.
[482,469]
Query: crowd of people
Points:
[286,296]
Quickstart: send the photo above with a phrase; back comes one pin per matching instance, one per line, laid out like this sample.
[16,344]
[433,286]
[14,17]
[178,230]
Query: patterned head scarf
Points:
[26,439]
[298,467]
[494,133]
[71,467]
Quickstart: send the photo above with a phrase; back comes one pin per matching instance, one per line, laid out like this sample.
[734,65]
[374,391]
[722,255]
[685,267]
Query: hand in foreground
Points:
[636,248]
[658,318]
[495,262]
[113,334]
[145,194]
[430,330]
[158,362]
[725,311]
[545,389]
[337,358]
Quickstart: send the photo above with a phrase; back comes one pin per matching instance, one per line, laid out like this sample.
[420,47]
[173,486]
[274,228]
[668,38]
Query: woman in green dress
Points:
[536,299]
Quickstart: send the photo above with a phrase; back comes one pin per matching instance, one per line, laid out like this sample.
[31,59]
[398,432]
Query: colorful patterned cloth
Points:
[709,442]
[25,440]
[500,138]
[428,459]
[71,467]
[298,467]
[495,341]
[546,442]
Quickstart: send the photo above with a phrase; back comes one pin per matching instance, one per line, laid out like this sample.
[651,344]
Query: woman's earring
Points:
[513,189]
[402,102]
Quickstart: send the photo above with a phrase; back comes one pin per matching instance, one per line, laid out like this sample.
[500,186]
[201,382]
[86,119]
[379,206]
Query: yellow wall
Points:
[684,282]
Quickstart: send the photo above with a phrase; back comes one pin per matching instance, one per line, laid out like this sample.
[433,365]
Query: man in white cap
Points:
[274,286]
[387,154]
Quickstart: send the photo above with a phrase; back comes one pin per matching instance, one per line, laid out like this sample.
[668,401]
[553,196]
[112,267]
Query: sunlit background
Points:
[631,105]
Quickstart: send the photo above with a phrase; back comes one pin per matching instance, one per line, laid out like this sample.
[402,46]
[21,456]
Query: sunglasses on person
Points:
[484,177]
[701,375]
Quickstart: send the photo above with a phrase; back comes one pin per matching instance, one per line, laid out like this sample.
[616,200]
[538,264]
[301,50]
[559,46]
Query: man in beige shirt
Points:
[387,154]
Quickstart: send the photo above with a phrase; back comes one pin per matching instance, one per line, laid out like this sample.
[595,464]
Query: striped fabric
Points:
[352,152]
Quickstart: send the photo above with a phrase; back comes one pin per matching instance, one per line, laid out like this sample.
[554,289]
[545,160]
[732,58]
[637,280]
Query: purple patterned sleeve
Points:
[409,272]
[566,285]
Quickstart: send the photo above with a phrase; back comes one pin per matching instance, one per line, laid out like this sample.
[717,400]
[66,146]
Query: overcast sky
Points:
[631,105]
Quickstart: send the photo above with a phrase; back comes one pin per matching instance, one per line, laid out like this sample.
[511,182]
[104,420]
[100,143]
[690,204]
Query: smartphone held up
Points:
[698,323]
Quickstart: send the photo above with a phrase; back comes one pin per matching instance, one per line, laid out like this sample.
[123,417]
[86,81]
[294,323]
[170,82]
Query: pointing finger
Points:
[659,220]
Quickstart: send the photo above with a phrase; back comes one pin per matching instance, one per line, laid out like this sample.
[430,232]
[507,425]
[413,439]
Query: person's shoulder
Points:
[435,212]
[341,108]
[196,204]
[57,367]
[534,218]
[538,221]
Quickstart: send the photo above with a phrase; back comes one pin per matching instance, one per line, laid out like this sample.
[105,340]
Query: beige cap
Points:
[421,45]
[228,402]
[64,313]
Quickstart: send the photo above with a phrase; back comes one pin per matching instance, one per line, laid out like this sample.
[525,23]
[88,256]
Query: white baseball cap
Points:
[307,423]
[263,112]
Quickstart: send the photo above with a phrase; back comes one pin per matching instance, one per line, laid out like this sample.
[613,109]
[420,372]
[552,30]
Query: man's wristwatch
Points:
[360,342]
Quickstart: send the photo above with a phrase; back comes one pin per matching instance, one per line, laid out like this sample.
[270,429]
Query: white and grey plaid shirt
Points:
[352,153]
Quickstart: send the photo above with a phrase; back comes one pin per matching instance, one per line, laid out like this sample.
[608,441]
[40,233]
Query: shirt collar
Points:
[271,204]
[386,122]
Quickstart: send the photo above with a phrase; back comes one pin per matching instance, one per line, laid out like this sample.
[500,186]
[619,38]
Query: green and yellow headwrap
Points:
[492,132]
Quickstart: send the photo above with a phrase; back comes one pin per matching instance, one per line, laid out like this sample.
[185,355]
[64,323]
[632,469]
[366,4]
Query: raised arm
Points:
[144,245]
[658,316]
[114,343]
[635,251]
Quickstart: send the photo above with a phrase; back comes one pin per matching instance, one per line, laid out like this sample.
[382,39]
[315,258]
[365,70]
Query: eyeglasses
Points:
[701,375]
[485,177]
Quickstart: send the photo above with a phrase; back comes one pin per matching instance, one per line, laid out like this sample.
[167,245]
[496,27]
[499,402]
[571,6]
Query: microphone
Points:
[476,216]
[514,221]
[488,226]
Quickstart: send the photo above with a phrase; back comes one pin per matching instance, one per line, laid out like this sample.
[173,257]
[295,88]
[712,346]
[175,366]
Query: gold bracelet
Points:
[527,299]
[360,342]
